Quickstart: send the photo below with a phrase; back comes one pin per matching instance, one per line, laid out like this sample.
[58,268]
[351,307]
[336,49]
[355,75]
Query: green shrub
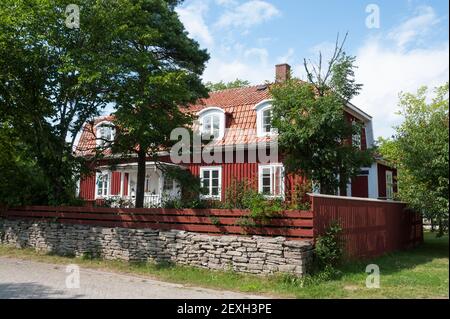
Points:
[299,198]
[328,247]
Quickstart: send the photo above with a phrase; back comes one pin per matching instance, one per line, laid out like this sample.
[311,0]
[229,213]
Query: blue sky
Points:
[246,38]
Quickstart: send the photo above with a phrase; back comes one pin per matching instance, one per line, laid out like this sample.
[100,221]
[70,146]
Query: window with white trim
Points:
[264,119]
[211,182]
[357,137]
[212,123]
[105,133]
[389,185]
[271,180]
[102,184]
[168,183]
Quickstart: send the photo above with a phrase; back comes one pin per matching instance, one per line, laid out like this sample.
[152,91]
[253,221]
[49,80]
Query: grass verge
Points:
[422,272]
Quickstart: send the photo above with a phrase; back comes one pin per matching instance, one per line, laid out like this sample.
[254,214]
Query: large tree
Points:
[314,133]
[160,69]
[420,149]
[53,78]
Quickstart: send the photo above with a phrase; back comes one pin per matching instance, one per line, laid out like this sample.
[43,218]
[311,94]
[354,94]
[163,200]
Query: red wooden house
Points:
[240,120]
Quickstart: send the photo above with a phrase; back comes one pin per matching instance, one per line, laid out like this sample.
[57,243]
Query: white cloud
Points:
[261,54]
[253,71]
[226,2]
[192,16]
[287,58]
[385,72]
[248,14]
[416,28]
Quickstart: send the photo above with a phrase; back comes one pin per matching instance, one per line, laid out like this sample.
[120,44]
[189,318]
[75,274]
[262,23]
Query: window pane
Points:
[205,174]
[215,182]
[267,121]
[207,125]
[105,184]
[215,191]
[266,180]
[215,174]
[99,185]
[168,183]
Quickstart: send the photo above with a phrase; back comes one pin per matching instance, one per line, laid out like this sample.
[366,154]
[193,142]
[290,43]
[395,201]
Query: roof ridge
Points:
[239,88]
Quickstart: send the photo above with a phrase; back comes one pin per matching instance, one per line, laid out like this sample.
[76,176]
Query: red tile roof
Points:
[238,105]
[87,142]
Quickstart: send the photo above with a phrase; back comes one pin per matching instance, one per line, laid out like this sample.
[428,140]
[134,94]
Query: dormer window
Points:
[267,120]
[105,133]
[264,119]
[357,138]
[212,123]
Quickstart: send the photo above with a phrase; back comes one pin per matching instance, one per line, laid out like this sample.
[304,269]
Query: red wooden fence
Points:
[292,224]
[370,227]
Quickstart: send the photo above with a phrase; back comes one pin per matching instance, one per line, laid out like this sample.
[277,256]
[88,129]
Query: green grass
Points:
[419,273]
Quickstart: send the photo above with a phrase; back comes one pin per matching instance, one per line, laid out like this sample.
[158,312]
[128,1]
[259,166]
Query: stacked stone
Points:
[255,254]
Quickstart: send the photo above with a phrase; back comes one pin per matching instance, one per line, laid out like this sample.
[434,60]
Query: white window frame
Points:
[108,188]
[389,185]
[210,112]
[209,195]
[260,109]
[164,181]
[260,180]
[357,138]
[99,139]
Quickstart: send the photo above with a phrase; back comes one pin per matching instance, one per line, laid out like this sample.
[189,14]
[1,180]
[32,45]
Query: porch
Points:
[117,185]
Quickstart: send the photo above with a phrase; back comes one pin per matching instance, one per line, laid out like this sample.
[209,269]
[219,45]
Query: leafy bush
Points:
[328,247]
[118,203]
[299,196]
[235,194]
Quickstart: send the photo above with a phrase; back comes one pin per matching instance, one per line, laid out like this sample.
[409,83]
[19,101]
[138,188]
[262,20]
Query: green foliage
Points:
[238,83]
[420,149]
[328,248]
[261,209]
[314,134]
[214,220]
[159,69]
[299,198]
[313,130]
[235,194]
[52,80]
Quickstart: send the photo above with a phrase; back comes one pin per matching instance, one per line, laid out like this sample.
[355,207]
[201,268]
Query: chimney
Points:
[282,72]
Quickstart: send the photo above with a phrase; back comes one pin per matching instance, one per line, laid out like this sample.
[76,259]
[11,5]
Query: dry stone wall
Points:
[255,254]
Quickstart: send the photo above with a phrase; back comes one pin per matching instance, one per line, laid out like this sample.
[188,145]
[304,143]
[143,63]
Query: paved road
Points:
[28,279]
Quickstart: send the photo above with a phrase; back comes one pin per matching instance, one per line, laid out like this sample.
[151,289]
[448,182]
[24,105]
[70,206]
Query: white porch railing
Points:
[149,200]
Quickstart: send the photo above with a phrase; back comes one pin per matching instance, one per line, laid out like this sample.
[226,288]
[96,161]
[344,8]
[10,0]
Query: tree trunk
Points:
[140,179]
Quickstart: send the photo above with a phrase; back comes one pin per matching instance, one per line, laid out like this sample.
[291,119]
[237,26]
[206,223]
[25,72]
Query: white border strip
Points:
[356,198]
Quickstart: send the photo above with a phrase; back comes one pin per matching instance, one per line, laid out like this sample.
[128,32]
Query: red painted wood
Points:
[293,224]
[87,187]
[280,222]
[360,186]
[370,228]
[115,183]
[159,211]
[125,183]
[382,179]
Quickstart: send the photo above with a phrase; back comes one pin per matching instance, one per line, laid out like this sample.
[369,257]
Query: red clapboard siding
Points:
[115,183]
[360,186]
[87,187]
[370,227]
[292,224]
